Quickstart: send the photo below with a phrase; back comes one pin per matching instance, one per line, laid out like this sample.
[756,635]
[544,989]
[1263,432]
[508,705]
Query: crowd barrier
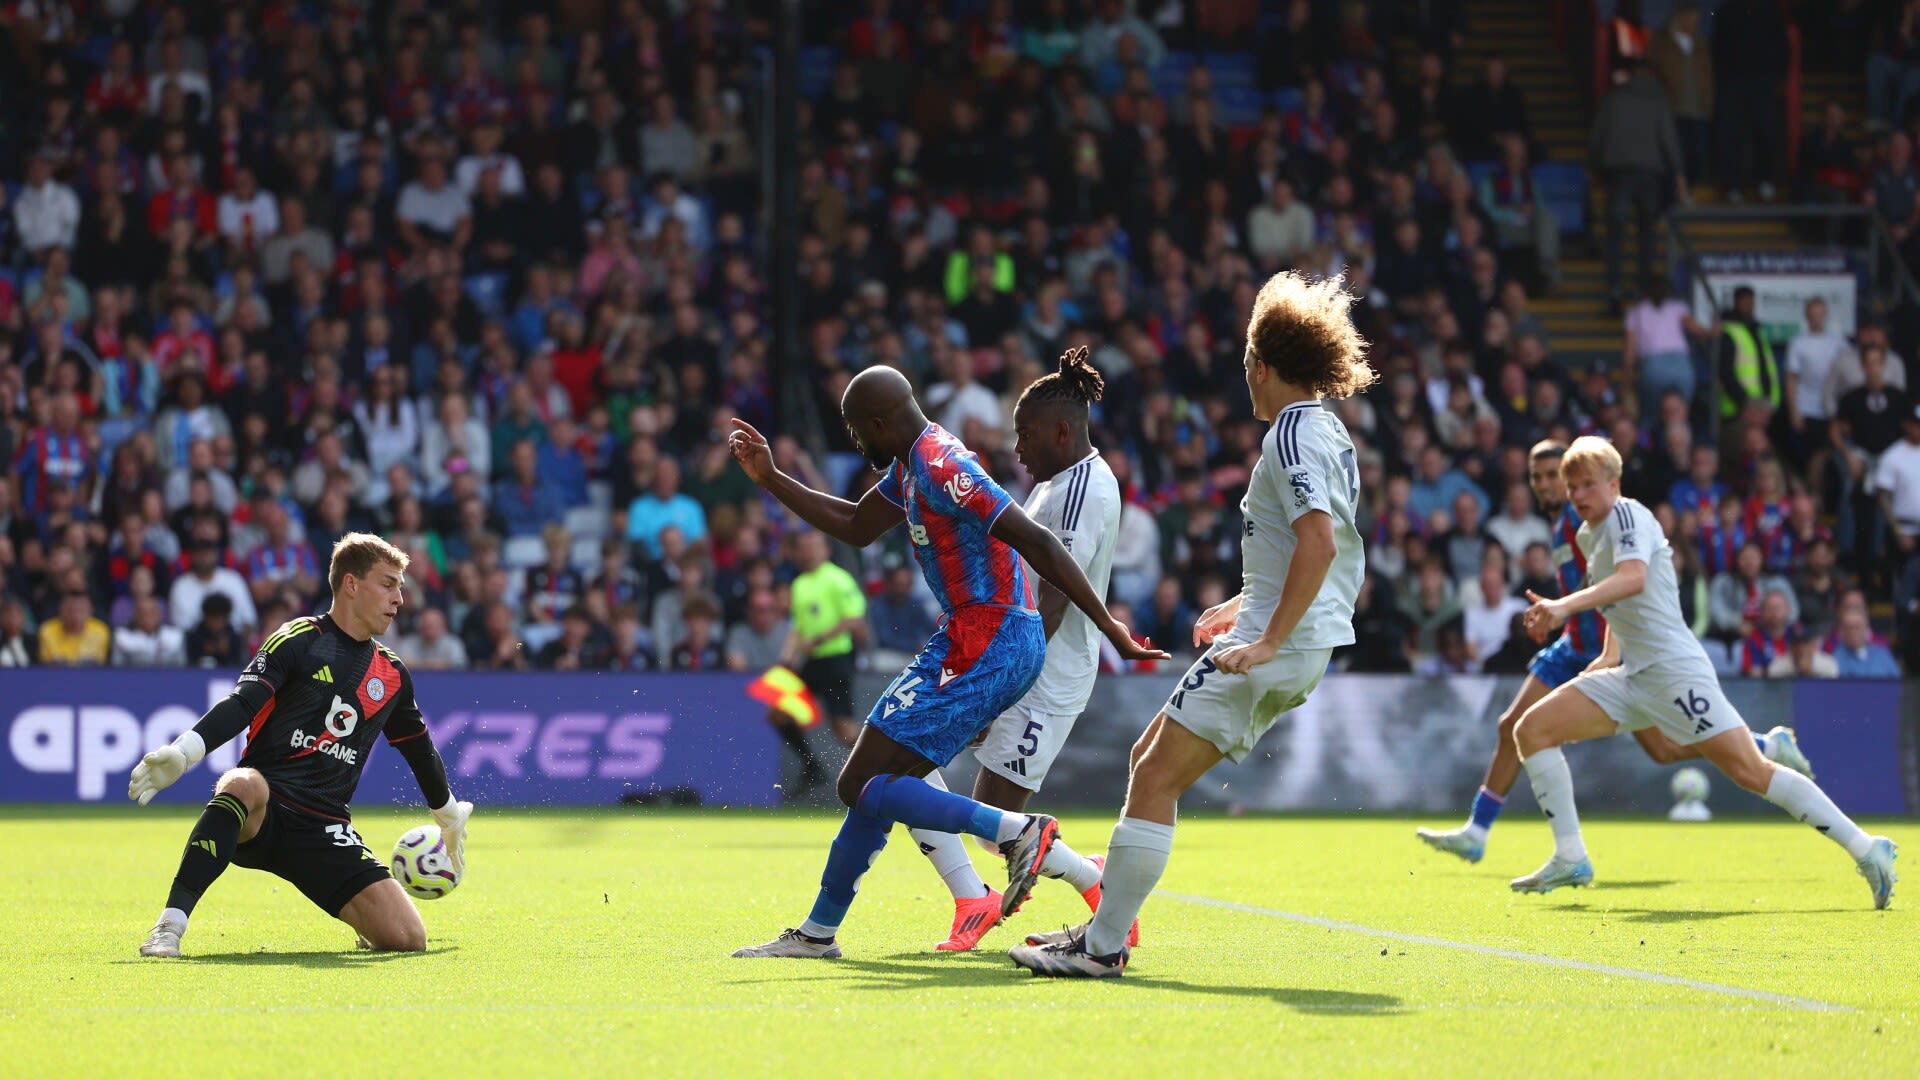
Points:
[1361,743]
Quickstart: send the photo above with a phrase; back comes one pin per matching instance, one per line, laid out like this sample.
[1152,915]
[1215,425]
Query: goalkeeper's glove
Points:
[160,768]
[452,819]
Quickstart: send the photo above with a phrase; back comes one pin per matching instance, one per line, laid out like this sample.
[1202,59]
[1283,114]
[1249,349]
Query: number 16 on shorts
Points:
[1022,744]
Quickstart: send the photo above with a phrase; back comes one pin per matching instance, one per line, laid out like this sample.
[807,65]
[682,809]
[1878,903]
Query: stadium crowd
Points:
[490,286]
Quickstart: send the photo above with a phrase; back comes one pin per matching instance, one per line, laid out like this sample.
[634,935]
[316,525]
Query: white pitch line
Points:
[1788,1000]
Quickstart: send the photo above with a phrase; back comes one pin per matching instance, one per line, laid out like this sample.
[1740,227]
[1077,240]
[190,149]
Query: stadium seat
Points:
[585,556]
[520,552]
[1235,69]
[587,523]
[600,494]
[816,69]
[488,293]
[1562,185]
[1724,662]
[1239,105]
[1289,99]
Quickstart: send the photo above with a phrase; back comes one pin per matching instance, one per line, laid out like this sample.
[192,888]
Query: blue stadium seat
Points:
[1231,68]
[816,69]
[1289,99]
[1562,185]
[488,293]
[1239,104]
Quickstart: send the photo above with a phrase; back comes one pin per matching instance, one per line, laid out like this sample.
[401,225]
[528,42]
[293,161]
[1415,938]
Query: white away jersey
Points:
[1648,628]
[1306,464]
[1081,505]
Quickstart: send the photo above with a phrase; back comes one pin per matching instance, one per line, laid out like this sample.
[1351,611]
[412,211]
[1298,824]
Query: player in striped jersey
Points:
[1078,500]
[1570,654]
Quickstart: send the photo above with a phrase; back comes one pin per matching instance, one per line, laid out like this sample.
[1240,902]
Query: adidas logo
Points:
[1017,765]
[1703,725]
[325,674]
[207,846]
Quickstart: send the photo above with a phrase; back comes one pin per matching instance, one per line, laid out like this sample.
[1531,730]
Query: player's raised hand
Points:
[1215,621]
[1545,615]
[1130,649]
[1241,659]
[155,773]
[751,450]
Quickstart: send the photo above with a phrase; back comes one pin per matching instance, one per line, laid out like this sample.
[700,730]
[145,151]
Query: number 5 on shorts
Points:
[1030,739]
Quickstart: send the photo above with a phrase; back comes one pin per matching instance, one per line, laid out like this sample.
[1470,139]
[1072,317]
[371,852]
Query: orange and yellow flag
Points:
[782,690]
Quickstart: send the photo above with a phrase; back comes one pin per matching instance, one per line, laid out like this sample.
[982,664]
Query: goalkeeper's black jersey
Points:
[332,696]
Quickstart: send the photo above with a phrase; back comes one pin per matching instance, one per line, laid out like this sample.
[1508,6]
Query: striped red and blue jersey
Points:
[1758,651]
[47,457]
[269,563]
[951,505]
[1586,632]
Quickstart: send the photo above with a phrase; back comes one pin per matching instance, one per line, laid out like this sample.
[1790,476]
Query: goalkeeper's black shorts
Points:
[321,856]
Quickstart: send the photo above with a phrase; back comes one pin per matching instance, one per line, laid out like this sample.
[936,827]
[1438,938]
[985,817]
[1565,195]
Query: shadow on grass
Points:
[906,971]
[1682,915]
[312,958]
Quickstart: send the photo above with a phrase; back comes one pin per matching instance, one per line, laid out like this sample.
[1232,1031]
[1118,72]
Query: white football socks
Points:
[948,853]
[1136,857]
[1071,867]
[1803,798]
[1553,788]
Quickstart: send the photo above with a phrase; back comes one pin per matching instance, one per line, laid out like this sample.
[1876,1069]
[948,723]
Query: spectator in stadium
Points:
[1657,354]
[1857,655]
[526,503]
[1521,219]
[1749,378]
[1893,67]
[664,506]
[756,643]
[899,618]
[1634,145]
[1867,421]
[1750,60]
[1488,619]
[206,577]
[1817,586]
[699,649]
[1766,639]
[148,641]
[213,641]
[1896,479]
[1438,485]
[1736,596]
[1695,604]
[279,563]
[18,648]
[1517,527]
[580,646]
[1810,362]
[1804,659]
[431,647]
[76,638]
[1682,59]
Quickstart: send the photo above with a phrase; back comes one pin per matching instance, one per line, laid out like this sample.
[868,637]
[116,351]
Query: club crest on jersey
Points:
[1302,486]
[1626,539]
[960,487]
[376,689]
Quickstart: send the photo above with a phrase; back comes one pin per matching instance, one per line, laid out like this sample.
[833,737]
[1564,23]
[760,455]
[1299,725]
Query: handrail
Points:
[1889,290]
[1793,98]
[1907,289]
[1602,52]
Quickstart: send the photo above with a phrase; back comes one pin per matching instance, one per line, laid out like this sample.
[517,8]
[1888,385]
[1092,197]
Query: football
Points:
[421,864]
[1690,785]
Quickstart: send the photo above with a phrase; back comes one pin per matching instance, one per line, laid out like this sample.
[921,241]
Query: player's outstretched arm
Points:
[858,523]
[229,717]
[1049,558]
[1628,579]
[1306,573]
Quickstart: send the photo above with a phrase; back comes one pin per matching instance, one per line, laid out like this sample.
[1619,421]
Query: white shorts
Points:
[1685,703]
[1022,743]
[1233,711]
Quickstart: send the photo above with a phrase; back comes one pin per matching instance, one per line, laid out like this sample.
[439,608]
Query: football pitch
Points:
[595,943]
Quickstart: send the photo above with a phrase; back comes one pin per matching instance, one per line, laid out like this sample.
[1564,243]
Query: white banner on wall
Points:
[1782,282]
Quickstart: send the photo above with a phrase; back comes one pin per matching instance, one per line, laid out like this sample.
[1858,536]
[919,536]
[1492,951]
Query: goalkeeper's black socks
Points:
[209,850]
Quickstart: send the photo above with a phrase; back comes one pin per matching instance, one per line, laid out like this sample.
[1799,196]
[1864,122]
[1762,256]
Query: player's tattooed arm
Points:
[858,523]
[1049,558]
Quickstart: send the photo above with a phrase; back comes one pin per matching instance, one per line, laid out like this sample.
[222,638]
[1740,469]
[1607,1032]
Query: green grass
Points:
[596,944]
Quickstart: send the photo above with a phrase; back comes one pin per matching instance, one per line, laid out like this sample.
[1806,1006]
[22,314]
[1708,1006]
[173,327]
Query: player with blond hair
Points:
[1651,672]
[312,702]
[1269,646]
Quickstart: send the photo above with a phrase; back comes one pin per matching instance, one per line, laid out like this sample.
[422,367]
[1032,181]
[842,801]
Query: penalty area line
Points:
[1787,1000]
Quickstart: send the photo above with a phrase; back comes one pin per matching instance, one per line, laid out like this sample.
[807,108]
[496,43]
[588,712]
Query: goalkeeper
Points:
[312,702]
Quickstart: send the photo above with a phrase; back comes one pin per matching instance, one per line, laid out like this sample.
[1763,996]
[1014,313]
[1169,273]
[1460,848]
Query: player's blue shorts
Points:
[977,666]
[1558,663]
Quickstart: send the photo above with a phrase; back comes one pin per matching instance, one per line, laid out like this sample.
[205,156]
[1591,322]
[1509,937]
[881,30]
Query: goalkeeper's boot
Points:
[1092,897]
[1459,842]
[1056,937]
[1877,867]
[163,939]
[1025,853]
[1784,750]
[972,918]
[794,945]
[1069,959]
[1556,872]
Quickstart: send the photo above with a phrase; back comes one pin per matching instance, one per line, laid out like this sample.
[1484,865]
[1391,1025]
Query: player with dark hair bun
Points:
[1076,382]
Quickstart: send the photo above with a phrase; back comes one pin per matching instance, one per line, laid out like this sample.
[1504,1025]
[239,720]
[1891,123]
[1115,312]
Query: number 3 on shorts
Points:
[344,836]
[1693,706]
